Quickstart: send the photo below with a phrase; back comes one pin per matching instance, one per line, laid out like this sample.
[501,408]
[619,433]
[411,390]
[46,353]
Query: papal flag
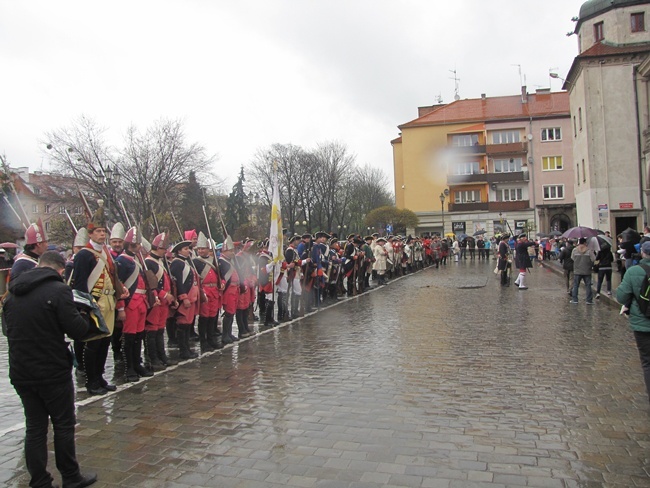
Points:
[275,236]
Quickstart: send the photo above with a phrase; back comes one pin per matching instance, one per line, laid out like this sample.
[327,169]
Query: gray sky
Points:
[245,74]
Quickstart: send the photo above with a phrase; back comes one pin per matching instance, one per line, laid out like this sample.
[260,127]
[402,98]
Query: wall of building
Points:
[616,25]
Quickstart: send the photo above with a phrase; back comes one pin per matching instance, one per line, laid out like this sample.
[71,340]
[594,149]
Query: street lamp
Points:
[442,205]
[110,179]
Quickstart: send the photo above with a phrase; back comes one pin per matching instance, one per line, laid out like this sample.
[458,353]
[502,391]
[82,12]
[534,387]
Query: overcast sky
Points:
[246,74]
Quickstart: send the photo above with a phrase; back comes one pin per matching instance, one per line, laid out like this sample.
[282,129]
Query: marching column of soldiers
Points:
[148,290]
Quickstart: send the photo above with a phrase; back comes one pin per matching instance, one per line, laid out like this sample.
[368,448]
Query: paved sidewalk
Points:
[441,379]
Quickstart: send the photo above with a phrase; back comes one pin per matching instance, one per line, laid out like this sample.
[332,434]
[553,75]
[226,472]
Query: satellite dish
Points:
[530,137]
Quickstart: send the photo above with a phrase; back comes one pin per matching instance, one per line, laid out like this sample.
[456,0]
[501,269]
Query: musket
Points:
[70,221]
[202,296]
[213,246]
[14,211]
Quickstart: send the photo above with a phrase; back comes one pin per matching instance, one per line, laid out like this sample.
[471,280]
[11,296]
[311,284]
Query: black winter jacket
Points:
[38,311]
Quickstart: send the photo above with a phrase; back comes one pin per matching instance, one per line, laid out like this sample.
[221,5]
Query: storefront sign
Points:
[625,205]
[458,226]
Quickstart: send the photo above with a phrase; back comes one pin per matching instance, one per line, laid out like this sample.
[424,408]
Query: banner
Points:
[275,236]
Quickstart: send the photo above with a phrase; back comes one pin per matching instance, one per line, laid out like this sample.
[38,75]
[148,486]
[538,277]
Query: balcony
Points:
[509,206]
[468,207]
[517,176]
[475,149]
[464,179]
[507,149]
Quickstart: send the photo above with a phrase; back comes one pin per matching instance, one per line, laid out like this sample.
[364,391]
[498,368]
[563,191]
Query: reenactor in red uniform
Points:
[187,287]
[231,285]
[135,306]
[156,321]
[211,285]
[35,245]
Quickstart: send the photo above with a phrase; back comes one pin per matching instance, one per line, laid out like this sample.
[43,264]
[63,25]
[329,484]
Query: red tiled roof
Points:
[605,49]
[495,108]
[396,140]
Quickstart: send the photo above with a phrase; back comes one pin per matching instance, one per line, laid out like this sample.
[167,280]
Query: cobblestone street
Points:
[441,379]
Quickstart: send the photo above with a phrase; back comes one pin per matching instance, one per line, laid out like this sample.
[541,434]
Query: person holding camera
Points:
[37,314]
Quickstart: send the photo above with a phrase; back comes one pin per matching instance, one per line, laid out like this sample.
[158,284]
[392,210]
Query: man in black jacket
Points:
[37,313]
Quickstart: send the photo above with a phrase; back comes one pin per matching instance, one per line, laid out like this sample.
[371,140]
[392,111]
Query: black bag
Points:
[644,294]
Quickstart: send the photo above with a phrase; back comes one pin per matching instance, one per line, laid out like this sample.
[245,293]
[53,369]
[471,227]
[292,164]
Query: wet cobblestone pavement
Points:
[441,379]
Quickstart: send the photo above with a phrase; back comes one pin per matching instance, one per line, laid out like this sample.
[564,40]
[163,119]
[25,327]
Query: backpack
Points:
[644,294]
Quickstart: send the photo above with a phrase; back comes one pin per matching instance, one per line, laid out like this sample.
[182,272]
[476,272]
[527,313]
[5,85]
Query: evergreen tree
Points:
[237,211]
[191,211]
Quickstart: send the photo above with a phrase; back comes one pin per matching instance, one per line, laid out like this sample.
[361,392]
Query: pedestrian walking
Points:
[628,294]
[583,261]
[503,262]
[567,265]
[604,260]
[522,260]
[37,313]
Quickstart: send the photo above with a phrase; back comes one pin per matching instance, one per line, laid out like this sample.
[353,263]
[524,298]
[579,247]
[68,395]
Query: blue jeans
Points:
[42,403]
[576,284]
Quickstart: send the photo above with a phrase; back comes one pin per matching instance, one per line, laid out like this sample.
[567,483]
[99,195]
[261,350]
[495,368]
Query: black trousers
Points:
[643,345]
[42,403]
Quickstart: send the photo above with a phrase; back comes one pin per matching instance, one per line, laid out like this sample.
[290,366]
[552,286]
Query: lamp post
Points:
[110,179]
[442,206]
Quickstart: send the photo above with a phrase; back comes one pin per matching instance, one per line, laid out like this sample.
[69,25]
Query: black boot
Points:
[269,321]
[128,344]
[172,340]
[137,357]
[226,324]
[160,349]
[152,360]
[295,306]
[281,309]
[251,314]
[241,315]
[203,335]
[213,339]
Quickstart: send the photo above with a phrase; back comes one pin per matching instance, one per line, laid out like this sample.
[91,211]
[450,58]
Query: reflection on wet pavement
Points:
[441,379]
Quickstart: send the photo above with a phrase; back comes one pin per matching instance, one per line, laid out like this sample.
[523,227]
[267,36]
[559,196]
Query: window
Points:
[467,196]
[505,137]
[553,192]
[580,118]
[599,31]
[637,22]
[511,165]
[47,227]
[469,168]
[62,209]
[34,208]
[78,210]
[510,195]
[578,173]
[551,163]
[575,131]
[47,208]
[584,173]
[37,190]
[464,140]
[553,134]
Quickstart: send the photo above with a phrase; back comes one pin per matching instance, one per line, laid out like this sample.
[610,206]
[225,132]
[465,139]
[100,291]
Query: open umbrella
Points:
[580,231]
[462,236]
[604,241]
[554,233]
[8,245]
[631,235]
[479,232]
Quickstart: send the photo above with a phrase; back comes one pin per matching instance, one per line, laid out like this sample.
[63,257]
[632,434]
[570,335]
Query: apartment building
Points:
[492,163]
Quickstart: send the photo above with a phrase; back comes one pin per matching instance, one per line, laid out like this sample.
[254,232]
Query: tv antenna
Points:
[439,98]
[456,80]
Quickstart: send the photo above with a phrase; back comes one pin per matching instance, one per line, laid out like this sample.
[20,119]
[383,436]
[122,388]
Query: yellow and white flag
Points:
[275,236]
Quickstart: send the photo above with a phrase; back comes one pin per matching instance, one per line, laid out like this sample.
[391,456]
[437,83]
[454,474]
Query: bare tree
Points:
[153,164]
[292,163]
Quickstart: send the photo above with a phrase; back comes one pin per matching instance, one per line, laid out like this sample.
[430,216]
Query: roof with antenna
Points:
[538,105]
